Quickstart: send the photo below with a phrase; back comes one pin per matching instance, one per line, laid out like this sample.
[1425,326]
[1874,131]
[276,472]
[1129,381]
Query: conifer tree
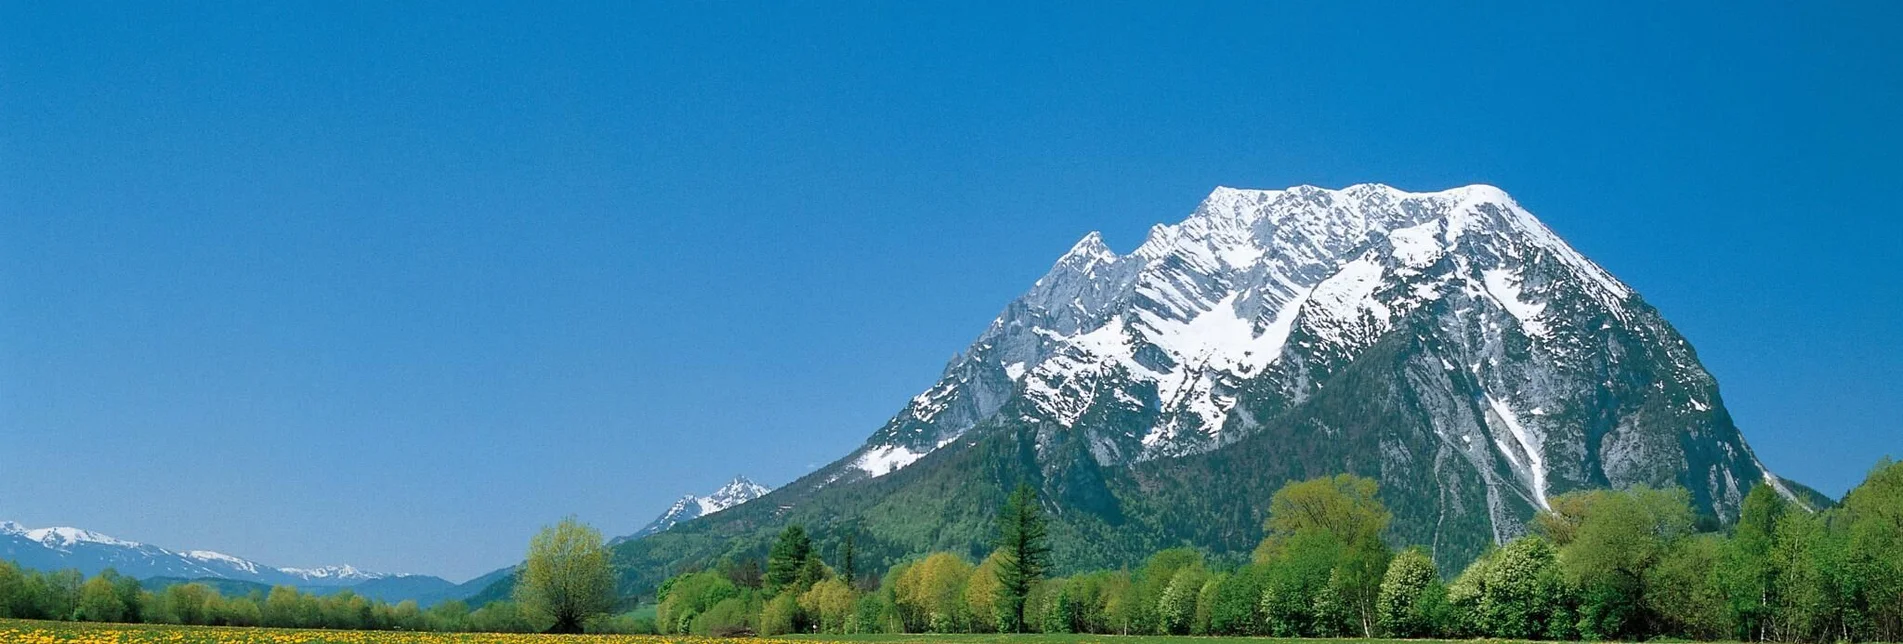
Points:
[1024,540]
[786,562]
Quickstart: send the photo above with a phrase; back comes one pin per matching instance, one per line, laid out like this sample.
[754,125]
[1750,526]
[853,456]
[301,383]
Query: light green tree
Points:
[99,601]
[1411,596]
[932,593]
[686,597]
[1746,576]
[1519,593]
[1346,510]
[1875,549]
[827,604]
[567,578]
[1610,542]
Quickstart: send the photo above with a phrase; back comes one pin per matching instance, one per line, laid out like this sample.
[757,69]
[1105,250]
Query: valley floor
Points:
[37,632]
[922,638]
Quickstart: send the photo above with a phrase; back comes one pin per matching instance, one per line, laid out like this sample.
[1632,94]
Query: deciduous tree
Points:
[568,576]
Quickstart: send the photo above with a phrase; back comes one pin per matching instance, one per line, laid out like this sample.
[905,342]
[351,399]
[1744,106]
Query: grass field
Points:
[32,632]
[924,638]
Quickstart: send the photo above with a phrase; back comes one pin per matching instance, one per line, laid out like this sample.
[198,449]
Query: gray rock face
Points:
[1479,363]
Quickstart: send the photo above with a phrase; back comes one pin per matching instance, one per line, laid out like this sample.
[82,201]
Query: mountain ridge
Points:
[1446,343]
[90,552]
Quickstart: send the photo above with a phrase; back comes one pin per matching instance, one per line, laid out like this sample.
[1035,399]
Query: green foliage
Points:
[99,602]
[1611,541]
[828,605]
[1327,532]
[1235,606]
[789,564]
[1412,600]
[848,569]
[1602,564]
[1873,570]
[566,579]
[686,597]
[781,615]
[1176,608]
[1153,580]
[1024,543]
[733,616]
[1516,592]
[930,594]
[1746,576]
[1684,596]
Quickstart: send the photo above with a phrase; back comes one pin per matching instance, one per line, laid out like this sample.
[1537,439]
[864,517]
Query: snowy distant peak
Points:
[63,537]
[735,492]
[219,557]
[90,552]
[344,573]
[1087,251]
[693,506]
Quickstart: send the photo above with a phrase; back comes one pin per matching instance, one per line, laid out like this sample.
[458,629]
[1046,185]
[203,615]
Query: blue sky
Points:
[393,285]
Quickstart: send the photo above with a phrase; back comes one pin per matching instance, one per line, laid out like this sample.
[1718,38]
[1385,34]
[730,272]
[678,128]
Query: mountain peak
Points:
[1446,343]
[1258,297]
[66,537]
[693,506]
[1088,250]
[344,572]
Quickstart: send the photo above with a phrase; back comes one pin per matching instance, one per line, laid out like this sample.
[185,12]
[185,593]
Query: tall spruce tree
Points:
[846,569]
[1024,540]
[786,562]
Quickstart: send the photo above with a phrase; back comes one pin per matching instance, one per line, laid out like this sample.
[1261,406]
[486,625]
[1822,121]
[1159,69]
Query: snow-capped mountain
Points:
[1260,295]
[1447,343]
[91,552]
[735,492]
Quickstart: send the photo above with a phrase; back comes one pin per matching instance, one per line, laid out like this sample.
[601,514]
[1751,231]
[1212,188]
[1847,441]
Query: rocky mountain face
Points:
[735,492]
[91,552]
[1448,344]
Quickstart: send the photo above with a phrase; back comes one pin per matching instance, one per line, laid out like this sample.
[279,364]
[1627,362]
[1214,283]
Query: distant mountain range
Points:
[90,552]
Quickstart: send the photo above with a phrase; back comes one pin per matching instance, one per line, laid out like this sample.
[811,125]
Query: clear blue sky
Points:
[394,286]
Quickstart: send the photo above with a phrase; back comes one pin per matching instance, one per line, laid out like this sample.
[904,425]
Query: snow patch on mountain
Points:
[219,557]
[64,537]
[885,460]
[1526,453]
[1504,286]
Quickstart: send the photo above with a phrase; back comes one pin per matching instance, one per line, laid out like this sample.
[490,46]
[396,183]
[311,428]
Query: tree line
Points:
[566,585]
[68,595]
[1596,565]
